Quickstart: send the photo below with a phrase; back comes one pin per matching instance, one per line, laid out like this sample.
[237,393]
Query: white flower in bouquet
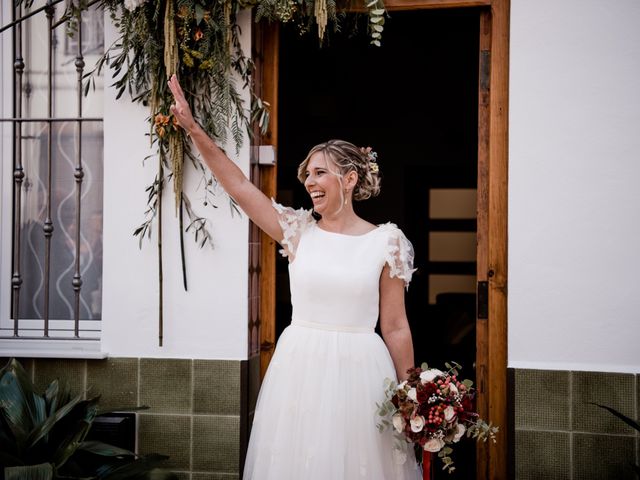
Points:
[460,429]
[432,410]
[413,394]
[430,375]
[399,422]
[131,5]
[455,433]
[434,445]
[417,423]
[449,413]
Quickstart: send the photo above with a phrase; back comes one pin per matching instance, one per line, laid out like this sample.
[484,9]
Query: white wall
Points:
[208,321]
[574,185]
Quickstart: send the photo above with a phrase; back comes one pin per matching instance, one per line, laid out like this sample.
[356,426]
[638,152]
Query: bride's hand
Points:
[180,109]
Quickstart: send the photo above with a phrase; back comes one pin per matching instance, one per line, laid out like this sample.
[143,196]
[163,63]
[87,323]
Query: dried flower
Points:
[197,36]
[161,119]
[183,12]
[372,157]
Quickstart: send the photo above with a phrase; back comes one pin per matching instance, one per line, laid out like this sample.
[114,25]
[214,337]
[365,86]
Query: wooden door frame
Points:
[491,343]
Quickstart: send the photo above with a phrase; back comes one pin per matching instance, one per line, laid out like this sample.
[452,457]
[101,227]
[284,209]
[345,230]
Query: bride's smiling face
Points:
[322,181]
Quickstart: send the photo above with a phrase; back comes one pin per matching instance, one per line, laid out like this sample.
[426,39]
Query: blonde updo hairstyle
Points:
[347,157]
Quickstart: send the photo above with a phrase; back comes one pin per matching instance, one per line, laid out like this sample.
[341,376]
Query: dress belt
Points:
[332,328]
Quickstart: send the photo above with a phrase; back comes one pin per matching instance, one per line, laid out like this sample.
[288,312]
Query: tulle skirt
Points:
[316,413]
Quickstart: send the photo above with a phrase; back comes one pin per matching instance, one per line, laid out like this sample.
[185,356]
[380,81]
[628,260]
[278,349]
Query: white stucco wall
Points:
[208,321]
[574,193]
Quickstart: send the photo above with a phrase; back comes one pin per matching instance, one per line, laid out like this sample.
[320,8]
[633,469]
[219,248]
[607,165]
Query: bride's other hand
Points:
[180,109]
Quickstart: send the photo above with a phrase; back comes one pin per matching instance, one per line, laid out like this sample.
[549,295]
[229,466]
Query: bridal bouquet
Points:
[433,409]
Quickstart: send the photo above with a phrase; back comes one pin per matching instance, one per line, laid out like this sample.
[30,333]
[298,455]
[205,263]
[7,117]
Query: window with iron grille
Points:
[52,176]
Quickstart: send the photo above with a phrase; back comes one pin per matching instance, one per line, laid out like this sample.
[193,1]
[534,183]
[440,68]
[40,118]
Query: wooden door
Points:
[491,270]
[491,326]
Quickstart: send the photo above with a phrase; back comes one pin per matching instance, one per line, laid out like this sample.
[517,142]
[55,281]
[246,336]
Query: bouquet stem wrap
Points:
[427,468]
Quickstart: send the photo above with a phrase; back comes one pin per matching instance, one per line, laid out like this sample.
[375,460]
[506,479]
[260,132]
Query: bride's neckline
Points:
[347,234]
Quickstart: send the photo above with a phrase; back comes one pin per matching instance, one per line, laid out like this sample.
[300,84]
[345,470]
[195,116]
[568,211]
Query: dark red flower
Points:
[430,388]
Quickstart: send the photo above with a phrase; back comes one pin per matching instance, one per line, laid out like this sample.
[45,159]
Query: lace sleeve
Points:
[293,223]
[399,255]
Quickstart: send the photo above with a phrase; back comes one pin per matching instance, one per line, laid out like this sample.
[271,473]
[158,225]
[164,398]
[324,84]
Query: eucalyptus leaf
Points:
[199,13]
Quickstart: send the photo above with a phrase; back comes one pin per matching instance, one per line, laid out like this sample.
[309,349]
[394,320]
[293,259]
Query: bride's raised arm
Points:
[252,201]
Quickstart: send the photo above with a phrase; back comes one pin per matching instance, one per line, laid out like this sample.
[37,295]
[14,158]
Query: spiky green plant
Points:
[43,436]
[629,421]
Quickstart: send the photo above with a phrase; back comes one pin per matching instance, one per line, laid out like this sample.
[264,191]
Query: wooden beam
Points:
[268,177]
[482,235]
[395,5]
[498,179]
[400,5]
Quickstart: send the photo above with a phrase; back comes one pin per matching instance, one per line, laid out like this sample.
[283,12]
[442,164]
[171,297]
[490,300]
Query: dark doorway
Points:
[415,102]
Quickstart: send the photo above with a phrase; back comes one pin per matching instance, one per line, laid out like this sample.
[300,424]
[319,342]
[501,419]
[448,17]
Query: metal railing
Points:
[50,328]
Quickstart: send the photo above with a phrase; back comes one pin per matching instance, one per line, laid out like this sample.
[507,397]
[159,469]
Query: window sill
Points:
[78,349]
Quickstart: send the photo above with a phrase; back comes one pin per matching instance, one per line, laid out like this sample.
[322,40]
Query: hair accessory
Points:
[372,157]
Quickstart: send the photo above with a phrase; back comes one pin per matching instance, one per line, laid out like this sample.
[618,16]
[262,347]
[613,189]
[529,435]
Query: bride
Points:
[316,413]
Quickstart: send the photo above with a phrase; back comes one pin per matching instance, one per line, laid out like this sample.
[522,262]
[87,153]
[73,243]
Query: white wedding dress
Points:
[316,413]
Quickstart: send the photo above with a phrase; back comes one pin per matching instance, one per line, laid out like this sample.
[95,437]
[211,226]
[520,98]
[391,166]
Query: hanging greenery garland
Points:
[198,40]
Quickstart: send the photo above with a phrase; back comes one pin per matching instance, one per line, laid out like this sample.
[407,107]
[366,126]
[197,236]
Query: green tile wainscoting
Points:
[560,435]
[200,410]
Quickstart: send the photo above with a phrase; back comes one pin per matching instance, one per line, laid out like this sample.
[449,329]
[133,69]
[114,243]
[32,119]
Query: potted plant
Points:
[42,436]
